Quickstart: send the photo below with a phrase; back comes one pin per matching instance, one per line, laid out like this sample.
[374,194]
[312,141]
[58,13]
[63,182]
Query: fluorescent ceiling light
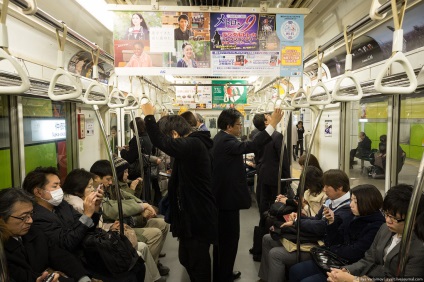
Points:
[363,120]
[99,10]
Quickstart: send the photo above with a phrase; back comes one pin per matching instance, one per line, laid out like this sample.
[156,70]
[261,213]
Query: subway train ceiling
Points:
[325,20]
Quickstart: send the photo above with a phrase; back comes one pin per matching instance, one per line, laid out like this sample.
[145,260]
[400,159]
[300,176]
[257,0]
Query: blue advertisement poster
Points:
[290,31]
[231,31]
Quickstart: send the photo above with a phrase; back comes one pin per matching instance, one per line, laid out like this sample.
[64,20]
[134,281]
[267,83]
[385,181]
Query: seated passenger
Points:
[352,242]
[313,197]
[28,251]
[77,186]
[61,223]
[379,158]
[275,257]
[148,229]
[382,258]
[362,150]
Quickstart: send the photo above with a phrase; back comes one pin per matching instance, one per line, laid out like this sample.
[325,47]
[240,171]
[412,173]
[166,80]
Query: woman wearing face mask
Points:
[61,223]
[188,57]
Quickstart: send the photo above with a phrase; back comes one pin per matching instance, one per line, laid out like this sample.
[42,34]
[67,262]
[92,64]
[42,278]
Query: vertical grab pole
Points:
[302,182]
[115,178]
[410,217]
[140,153]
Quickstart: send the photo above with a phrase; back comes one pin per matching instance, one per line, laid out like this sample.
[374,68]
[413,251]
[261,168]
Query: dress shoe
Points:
[162,255]
[257,257]
[236,275]
[163,270]
[251,251]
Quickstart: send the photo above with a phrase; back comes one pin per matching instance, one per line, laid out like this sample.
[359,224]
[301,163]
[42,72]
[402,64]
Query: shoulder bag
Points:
[325,259]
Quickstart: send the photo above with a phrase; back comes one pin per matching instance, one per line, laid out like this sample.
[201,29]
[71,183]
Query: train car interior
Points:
[72,81]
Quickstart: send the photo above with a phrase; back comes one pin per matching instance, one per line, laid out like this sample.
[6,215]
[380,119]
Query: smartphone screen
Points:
[286,217]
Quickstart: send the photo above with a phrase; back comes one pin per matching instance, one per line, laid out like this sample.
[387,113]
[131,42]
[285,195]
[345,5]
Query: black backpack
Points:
[109,251]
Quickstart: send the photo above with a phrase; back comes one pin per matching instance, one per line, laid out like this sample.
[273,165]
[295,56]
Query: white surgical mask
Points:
[57,197]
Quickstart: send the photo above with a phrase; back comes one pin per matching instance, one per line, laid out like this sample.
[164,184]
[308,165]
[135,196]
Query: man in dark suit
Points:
[28,251]
[230,186]
[363,149]
[268,165]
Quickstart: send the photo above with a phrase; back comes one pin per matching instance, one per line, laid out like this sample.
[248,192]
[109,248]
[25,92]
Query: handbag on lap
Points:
[326,259]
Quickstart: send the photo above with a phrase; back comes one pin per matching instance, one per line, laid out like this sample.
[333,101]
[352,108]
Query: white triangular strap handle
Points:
[169,111]
[17,89]
[403,61]
[117,99]
[400,58]
[89,94]
[133,102]
[325,101]
[337,96]
[302,102]
[269,106]
[284,104]
[374,15]
[75,83]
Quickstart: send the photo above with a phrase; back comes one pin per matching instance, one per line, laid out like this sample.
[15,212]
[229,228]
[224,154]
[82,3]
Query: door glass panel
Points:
[44,134]
[411,137]
[369,116]
[5,161]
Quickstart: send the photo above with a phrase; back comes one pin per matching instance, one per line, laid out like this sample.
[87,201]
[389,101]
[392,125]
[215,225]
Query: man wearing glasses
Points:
[28,253]
[229,185]
[381,260]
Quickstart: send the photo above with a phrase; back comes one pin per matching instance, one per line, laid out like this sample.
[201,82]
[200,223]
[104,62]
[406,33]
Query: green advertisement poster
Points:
[230,92]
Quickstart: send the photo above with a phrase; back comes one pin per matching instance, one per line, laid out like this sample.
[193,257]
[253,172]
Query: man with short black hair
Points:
[230,185]
[28,251]
[182,32]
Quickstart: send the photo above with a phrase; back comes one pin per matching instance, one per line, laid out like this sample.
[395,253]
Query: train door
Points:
[371,116]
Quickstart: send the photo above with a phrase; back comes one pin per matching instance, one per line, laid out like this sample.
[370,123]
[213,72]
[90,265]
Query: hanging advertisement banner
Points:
[186,95]
[229,92]
[231,31]
[244,63]
[159,43]
[290,32]
[268,39]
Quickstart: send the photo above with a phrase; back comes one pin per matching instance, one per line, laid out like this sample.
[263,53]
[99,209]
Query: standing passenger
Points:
[193,215]
[300,132]
[230,186]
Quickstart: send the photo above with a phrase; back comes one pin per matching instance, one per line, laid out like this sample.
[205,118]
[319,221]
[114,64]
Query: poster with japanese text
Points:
[194,96]
[230,31]
[160,43]
[290,32]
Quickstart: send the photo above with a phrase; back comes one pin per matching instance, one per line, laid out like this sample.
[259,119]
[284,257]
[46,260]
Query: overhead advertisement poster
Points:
[196,97]
[231,92]
[159,43]
[235,48]
[290,32]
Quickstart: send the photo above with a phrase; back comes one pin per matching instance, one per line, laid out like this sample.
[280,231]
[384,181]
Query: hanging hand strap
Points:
[100,97]
[60,71]
[337,96]
[319,84]
[397,56]
[374,15]
[133,102]
[300,98]
[5,55]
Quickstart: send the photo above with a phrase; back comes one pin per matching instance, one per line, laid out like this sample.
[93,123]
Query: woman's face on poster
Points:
[188,51]
[136,20]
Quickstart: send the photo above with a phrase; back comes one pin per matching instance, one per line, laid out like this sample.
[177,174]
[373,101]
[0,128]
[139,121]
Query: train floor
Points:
[244,262]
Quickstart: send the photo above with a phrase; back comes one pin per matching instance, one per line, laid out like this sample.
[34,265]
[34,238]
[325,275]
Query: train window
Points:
[411,137]
[44,134]
[368,166]
[5,163]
